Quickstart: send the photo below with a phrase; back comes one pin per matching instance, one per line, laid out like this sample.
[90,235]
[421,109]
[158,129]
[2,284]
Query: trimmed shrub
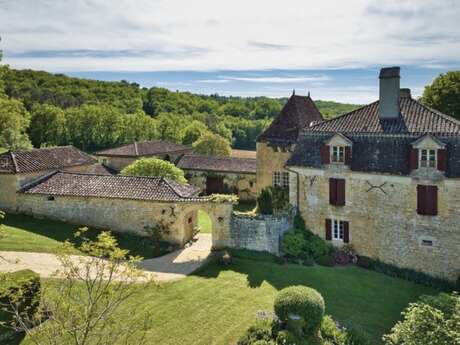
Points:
[405,273]
[304,302]
[293,244]
[315,246]
[342,258]
[326,260]
[265,201]
[20,289]
[306,259]
[260,333]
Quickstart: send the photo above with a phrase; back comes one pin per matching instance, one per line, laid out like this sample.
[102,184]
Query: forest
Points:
[44,109]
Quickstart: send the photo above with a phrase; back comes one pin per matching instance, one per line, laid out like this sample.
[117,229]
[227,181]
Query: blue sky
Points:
[333,49]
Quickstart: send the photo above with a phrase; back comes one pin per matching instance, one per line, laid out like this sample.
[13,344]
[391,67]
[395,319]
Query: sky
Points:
[333,49]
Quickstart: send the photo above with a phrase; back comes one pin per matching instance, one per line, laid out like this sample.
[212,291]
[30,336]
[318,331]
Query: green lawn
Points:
[28,234]
[215,305]
[204,222]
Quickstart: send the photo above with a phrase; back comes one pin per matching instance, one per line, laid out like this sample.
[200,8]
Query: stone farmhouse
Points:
[384,178]
[66,184]
[212,174]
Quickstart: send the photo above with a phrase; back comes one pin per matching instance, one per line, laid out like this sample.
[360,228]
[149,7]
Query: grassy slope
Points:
[215,306]
[24,233]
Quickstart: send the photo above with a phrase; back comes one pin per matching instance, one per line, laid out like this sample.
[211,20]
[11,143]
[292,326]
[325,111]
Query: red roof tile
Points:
[26,161]
[145,148]
[217,163]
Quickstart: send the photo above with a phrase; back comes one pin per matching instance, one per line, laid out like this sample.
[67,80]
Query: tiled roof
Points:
[415,118]
[299,112]
[145,148]
[217,163]
[14,162]
[116,187]
[244,154]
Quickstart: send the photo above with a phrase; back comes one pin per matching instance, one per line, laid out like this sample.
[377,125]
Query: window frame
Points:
[276,178]
[428,162]
[339,156]
[285,180]
[339,225]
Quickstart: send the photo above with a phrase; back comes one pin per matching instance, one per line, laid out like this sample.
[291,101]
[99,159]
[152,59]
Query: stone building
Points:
[222,175]
[212,174]
[120,157]
[386,179]
[18,168]
[276,144]
[131,204]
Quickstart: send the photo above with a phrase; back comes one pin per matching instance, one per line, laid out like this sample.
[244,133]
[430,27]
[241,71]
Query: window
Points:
[337,191]
[280,179]
[338,154]
[427,200]
[50,198]
[427,158]
[427,243]
[104,161]
[276,179]
[337,230]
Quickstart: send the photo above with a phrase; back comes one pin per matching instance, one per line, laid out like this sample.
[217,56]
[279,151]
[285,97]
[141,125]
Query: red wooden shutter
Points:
[347,155]
[431,200]
[413,159]
[328,230]
[325,154]
[340,193]
[427,200]
[346,232]
[332,191]
[421,197]
[442,160]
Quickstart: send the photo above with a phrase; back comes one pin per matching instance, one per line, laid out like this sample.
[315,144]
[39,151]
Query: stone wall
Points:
[269,160]
[383,221]
[261,233]
[243,185]
[123,215]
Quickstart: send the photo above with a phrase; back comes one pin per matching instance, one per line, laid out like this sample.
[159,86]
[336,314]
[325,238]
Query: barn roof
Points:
[217,163]
[116,187]
[27,161]
[144,148]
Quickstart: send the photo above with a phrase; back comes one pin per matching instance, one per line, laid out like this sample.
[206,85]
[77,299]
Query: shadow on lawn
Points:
[61,231]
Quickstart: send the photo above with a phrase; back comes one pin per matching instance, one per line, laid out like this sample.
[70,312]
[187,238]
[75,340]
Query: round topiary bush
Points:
[301,301]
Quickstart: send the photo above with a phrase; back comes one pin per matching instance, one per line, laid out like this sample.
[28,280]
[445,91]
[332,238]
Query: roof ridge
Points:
[136,151]
[38,180]
[15,163]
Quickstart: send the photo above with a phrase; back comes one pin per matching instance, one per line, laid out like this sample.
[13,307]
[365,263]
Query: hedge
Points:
[22,289]
[404,273]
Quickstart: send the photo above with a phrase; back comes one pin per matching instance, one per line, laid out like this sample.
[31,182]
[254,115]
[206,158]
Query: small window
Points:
[276,179]
[251,184]
[338,228]
[427,243]
[285,180]
[338,154]
[50,198]
[104,161]
[428,158]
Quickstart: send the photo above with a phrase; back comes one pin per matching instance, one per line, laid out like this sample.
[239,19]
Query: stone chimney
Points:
[405,93]
[389,93]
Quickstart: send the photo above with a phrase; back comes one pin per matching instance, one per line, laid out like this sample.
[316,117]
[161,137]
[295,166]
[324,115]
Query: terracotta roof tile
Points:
[298,113]
[26,161]
[145,148]
[244,154]
[117,187]
[416,118]
[217,163]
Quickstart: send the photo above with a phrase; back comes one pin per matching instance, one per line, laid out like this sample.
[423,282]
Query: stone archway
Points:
[220,215]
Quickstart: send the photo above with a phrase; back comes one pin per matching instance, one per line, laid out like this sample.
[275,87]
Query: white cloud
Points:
[126,35]
[279,80]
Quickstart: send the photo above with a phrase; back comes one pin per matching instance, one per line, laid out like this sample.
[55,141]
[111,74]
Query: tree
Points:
[266,107]
[154,167]
[212,144]
[444,94]
[14,120]
[193,132]
[138,127]
[89,301]
[170,127]
[47,125]
[432,320]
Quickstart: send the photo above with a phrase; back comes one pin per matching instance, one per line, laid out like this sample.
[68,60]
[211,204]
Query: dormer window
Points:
[428,158]
[338,154]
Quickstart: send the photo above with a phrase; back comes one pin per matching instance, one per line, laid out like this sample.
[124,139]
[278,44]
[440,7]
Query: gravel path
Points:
[173,266]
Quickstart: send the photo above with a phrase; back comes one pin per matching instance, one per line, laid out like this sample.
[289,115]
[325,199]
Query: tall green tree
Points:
[212,144]
[193,132]
[14,120]
[170,127]
[154,167]
[138,127]
[444,94]
[47,125]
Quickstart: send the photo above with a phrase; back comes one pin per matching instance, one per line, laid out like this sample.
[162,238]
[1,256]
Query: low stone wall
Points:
[258,232]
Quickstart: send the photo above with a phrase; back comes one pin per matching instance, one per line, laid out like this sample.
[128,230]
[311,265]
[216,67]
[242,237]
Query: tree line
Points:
[42,109]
